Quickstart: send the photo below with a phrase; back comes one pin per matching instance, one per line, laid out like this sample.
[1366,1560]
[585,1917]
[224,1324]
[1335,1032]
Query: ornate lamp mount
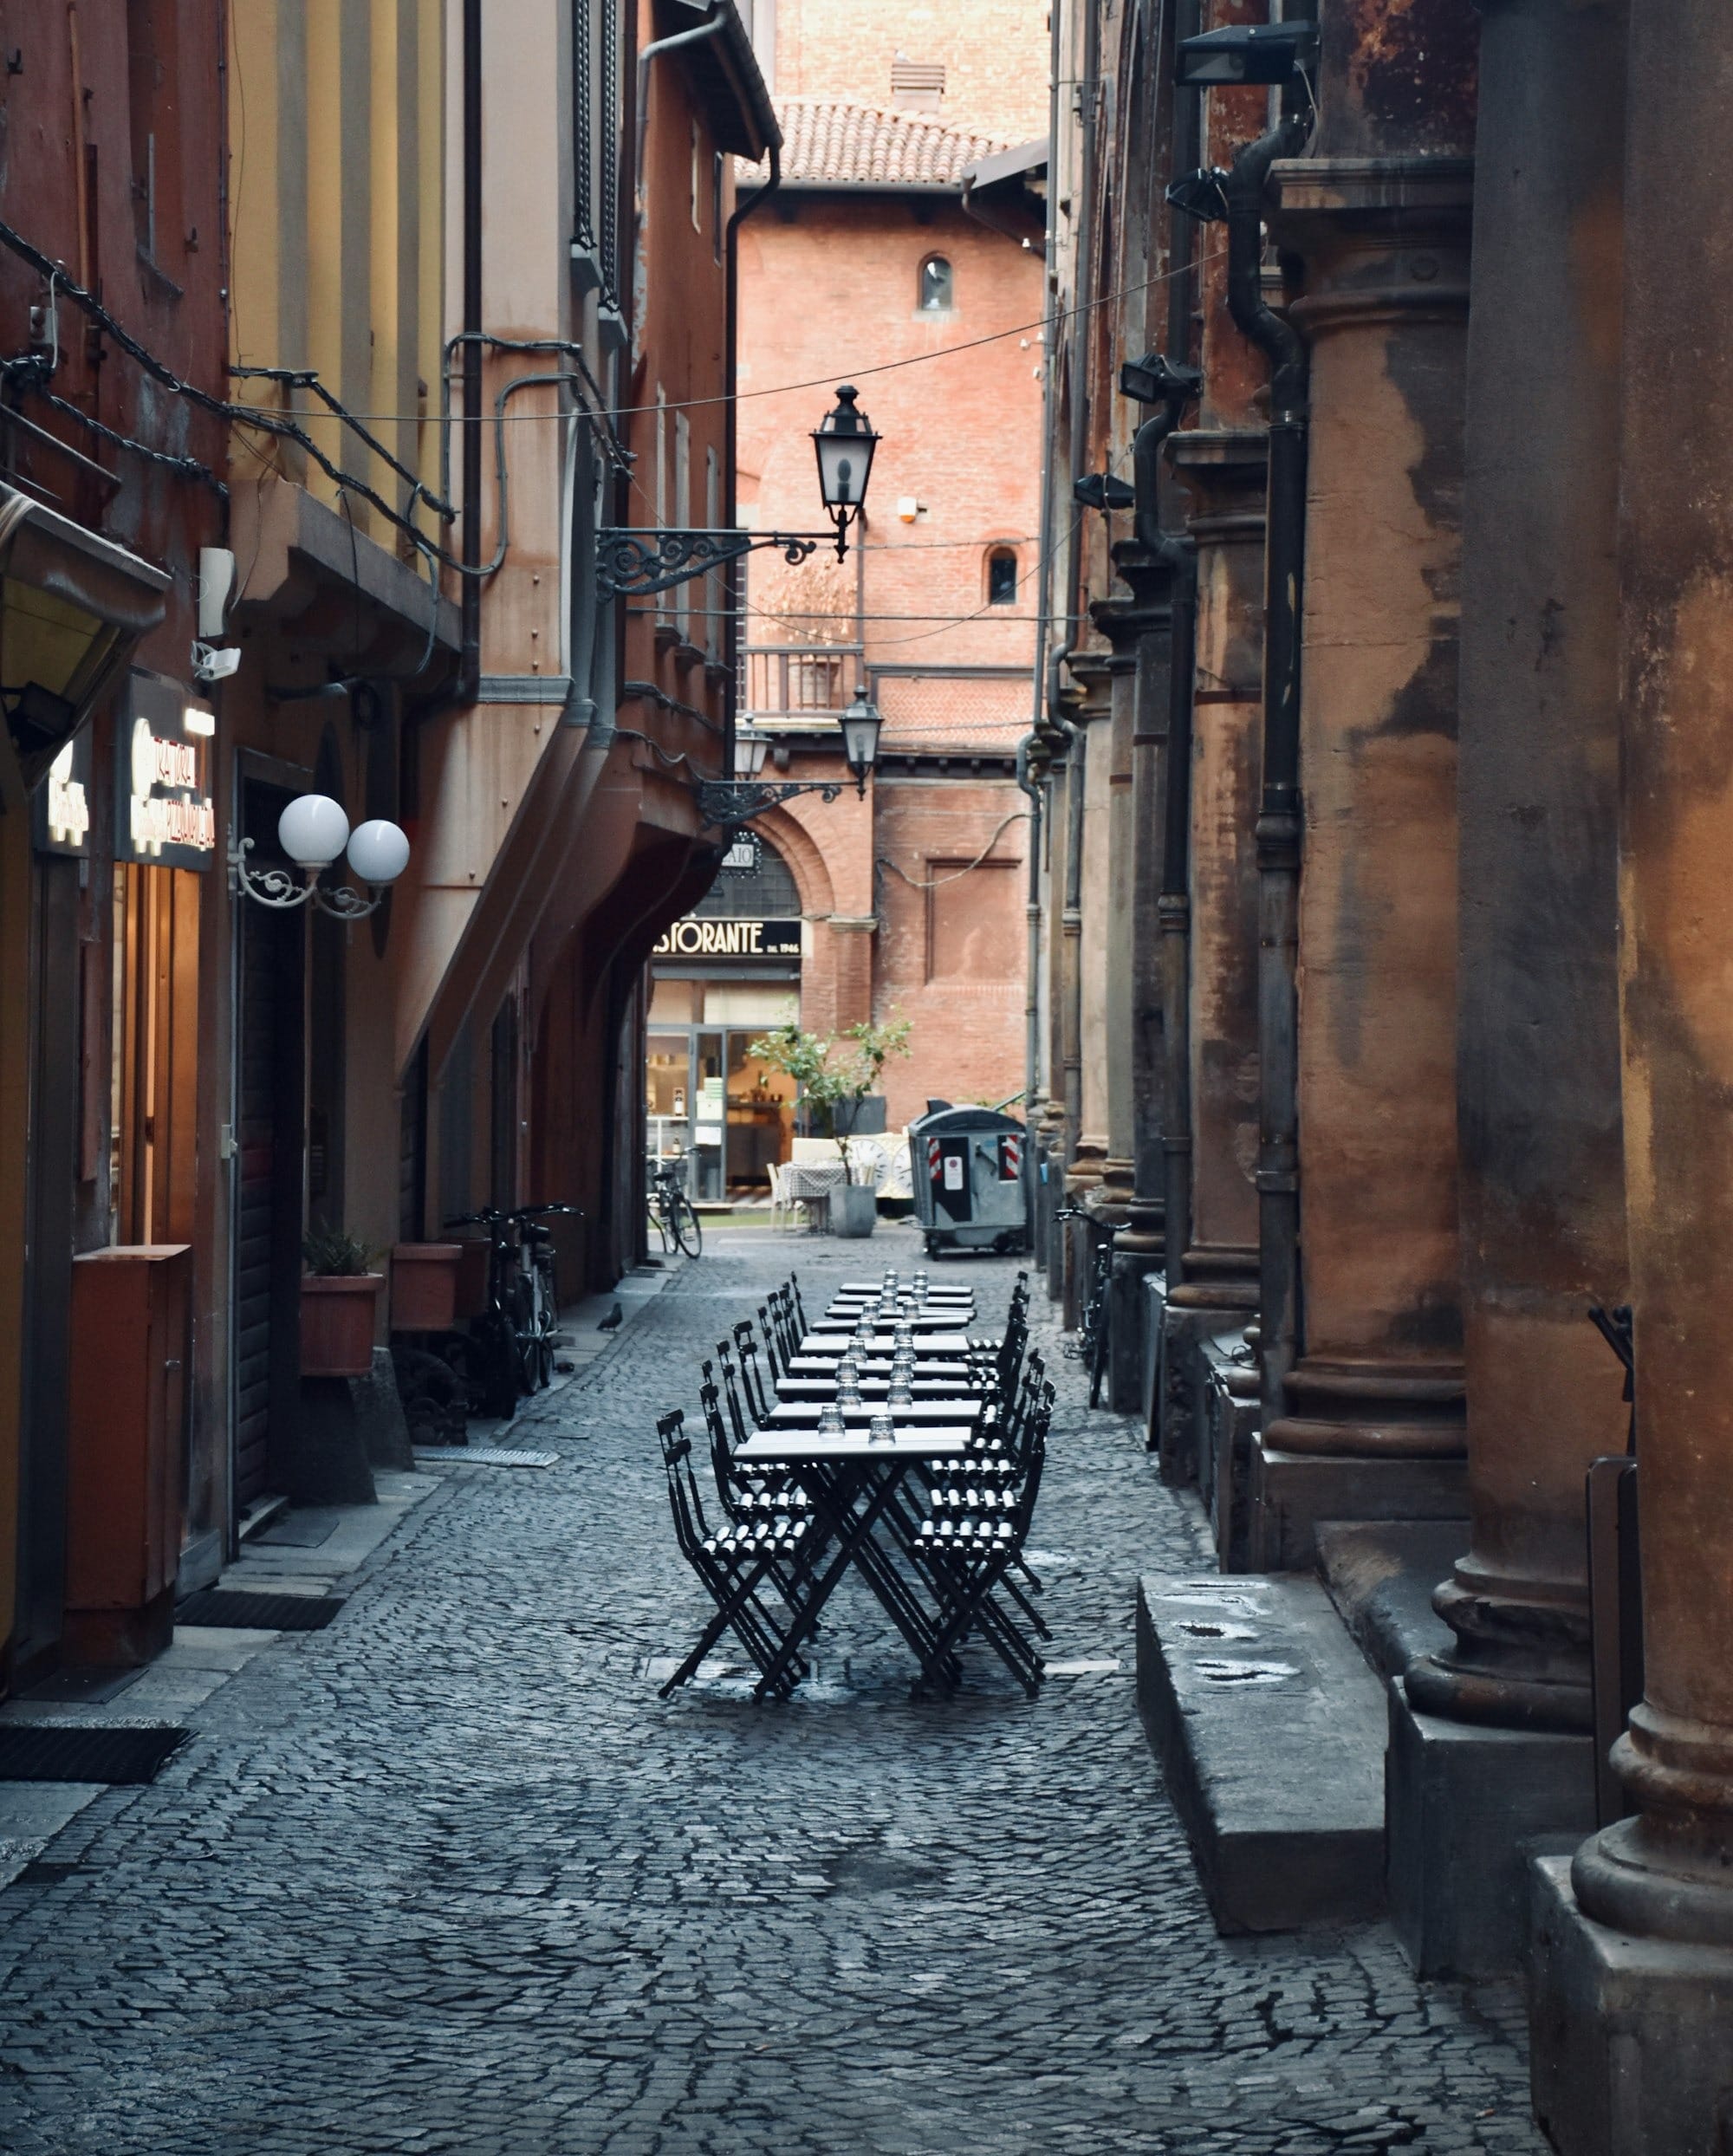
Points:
[313,830]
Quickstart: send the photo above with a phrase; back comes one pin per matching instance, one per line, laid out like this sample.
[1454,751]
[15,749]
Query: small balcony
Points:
[792,687]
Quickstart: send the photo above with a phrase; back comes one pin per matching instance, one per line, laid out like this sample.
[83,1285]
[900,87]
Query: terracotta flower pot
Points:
[337,1323]
[423,1286]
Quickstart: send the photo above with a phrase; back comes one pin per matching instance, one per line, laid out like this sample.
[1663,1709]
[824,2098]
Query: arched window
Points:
[1002,577]
[935,285]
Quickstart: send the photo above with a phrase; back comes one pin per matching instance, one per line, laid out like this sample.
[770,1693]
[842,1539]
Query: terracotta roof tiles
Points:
[828,142]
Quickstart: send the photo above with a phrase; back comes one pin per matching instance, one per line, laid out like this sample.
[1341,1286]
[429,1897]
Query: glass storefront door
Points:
[709,1101]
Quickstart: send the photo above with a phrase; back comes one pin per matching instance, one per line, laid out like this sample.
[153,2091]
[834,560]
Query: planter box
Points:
[423,1286]
[337,1323]
[853,1210]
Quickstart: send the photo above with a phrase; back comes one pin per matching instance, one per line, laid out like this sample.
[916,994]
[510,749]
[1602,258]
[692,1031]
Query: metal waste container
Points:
[967,1167]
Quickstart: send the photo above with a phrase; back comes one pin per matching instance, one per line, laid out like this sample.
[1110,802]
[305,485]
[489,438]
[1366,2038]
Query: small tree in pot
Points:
[834,1074]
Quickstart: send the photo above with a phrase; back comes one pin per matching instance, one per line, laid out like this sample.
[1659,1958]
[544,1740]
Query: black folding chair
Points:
[758,1395]
[733,1565]
[797,1308]
[968,1549]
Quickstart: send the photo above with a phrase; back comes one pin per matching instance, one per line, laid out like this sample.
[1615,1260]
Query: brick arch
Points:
[799,849]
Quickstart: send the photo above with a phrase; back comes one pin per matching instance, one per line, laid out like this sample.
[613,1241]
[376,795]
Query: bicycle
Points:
[1095,1327]
[670,1212]
[513,1335]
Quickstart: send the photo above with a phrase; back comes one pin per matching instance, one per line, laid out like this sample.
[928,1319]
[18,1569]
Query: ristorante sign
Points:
[165,816]
[699,938]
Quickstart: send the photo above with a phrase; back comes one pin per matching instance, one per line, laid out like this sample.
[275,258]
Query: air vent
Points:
[917,85]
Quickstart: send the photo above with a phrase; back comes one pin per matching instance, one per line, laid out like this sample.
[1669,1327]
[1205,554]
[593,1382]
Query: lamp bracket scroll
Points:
[276,888]
[726,804]
[632,564]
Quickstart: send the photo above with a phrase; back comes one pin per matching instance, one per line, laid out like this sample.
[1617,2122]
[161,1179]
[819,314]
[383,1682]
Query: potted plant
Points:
[338,1296]
[834,1075]
[423,1286]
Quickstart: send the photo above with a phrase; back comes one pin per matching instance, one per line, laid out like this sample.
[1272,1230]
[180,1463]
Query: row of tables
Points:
[856,1481]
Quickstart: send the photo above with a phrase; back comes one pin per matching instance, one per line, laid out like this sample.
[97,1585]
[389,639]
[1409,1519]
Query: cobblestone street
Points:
[448,1876]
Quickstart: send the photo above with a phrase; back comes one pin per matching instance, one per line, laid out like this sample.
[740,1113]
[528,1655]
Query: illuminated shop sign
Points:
[60,808]
[165,816]
[695,937]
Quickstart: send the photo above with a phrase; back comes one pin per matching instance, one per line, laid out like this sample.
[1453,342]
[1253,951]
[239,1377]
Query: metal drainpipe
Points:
[1032,915]
[731,692]
[1072,1016]
[711,25]
[469,596]
[1278,824]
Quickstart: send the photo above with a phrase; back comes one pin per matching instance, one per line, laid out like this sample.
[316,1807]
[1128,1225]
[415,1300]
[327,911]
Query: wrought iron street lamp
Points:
[633,564]
[313,830]
[726,804]
[845,442]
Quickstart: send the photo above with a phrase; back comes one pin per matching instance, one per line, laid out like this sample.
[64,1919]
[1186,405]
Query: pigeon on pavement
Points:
[613,1322]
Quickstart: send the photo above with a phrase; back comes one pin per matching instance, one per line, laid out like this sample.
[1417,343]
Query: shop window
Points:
[937,290]
[1002,577]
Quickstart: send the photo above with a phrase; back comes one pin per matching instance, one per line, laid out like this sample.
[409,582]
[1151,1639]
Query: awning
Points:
[1007,191]
[72,607]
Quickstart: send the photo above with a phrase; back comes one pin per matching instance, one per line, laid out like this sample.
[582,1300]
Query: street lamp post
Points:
[313,830]
[726,804]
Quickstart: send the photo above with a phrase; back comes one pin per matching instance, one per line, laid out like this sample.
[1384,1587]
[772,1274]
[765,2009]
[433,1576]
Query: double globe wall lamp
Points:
[313,830]
[632,564]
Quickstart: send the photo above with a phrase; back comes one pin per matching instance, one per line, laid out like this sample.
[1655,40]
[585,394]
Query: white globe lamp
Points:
[313,830]
[378,851]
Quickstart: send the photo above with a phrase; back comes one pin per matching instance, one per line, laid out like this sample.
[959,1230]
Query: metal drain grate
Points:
[74,1752]
[482,1456]
[243,1610]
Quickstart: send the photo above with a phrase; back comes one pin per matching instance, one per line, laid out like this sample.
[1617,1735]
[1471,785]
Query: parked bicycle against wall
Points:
[672,1215]
[510,1346]
[1093,1331]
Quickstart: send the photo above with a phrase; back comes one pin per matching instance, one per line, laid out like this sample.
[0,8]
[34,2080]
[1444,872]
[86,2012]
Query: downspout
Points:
[1071,1032]
[1278,824]
[713,24]
[469,596]
[1174,903]
[730,362]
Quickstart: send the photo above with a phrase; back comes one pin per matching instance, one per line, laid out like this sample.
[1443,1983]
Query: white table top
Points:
[834,1342]
[788,1447]
[841,1317]
[875,1388]
[824,1366]
[803,1415]
[934,1293]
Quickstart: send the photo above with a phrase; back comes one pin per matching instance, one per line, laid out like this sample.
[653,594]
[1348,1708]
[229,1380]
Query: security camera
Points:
[214,662]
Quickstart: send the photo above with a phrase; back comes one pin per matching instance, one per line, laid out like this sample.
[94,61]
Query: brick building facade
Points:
[866,267]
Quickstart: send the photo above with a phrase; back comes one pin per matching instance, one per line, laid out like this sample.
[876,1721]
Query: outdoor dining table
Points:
[852,1483]
[875,1388]
[823,1365]
[835,1320]
[833,1341]
[943,1411]
[859,1287]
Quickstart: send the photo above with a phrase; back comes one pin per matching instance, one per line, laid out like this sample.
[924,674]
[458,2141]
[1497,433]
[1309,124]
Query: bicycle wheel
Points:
[521,1311]
[536,1342]
[683,1217]
[1098,1343]
[656,1223]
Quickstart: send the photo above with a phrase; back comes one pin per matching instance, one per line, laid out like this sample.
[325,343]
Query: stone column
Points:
[1119,1170]
[1094,753]
[1633,1981]
[1541,1164]
[1140,628]
[1222,470]
[1064,925]
[1374,1420]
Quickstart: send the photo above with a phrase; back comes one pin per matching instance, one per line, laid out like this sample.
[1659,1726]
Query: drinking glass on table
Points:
[830,1421]
[881,1429]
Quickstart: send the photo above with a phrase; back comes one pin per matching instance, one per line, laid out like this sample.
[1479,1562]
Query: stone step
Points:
[1380,1575]
[1270,1730]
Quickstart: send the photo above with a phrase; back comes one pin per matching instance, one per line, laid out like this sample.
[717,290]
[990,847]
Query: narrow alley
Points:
[448,1875]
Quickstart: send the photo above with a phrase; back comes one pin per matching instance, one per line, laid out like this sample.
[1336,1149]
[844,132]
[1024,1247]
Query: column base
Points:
[1126,1347]
[1466,1806]
[1631,2039]
[1291,1492]
[1227,1428]
[1179,1401]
